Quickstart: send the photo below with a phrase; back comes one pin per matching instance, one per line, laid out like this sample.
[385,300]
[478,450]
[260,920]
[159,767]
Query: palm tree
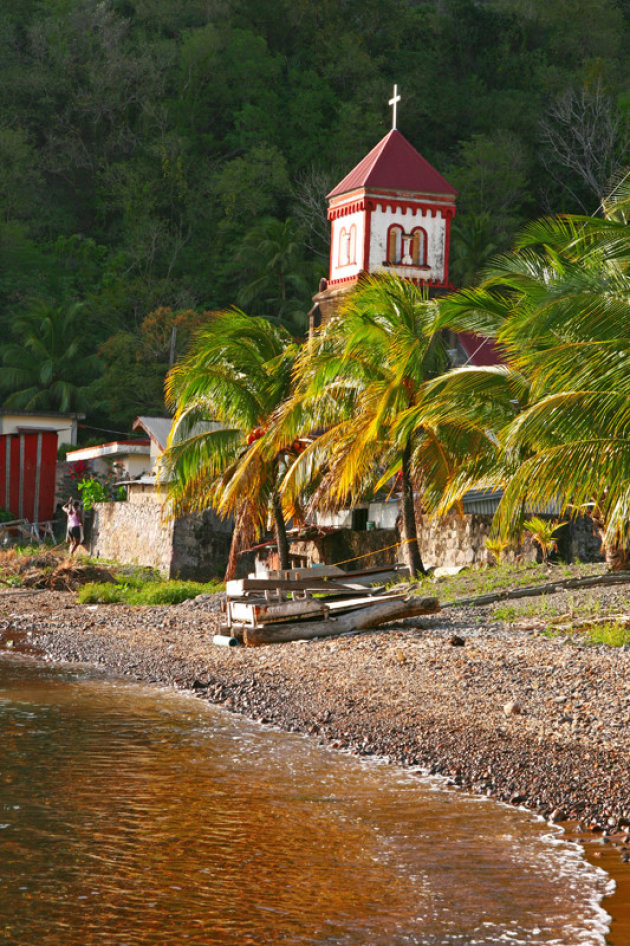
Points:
[235,374]
[473,243]
[559,305]
[278,277]
[355,378]
[44,368]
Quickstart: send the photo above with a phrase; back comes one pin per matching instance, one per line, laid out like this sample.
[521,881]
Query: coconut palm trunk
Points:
[617,554]
[280,531]
[411,549]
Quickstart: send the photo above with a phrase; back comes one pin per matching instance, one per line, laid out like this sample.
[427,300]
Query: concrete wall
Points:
[434,226]
[65,424]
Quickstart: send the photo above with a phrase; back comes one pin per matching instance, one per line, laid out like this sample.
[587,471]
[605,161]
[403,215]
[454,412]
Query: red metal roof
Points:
[480,351]
[394,164]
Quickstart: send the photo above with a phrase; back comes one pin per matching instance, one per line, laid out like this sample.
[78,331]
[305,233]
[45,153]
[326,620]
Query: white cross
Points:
[393,101]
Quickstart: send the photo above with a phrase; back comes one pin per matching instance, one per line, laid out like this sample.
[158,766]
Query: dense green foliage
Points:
[173,157]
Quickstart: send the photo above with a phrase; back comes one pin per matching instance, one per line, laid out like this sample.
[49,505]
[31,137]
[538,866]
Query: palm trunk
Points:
[617,557]
[411,549]
[617,554]
[280,532]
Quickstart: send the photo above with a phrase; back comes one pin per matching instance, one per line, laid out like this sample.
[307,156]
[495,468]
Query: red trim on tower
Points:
[365,264]
[343,281]
[447,245]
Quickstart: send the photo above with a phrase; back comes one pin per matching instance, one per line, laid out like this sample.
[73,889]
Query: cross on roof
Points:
[393,102]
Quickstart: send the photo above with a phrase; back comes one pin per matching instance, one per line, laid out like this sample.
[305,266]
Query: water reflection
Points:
[129,816]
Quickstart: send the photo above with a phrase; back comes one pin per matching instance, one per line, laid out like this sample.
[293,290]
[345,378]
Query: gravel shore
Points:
[510,713]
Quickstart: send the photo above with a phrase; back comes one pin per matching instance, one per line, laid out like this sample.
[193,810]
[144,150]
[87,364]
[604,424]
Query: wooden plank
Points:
[351,580]
[397,567]
[323,571]
[363,619]
[266,612]
[240,586]
[348,604]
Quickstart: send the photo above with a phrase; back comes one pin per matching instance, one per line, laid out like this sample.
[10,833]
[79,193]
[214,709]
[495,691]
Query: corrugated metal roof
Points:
[394,164]
[158,428]
[480,351]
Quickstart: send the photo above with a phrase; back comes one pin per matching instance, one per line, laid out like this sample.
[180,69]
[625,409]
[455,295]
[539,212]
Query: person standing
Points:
[73,511]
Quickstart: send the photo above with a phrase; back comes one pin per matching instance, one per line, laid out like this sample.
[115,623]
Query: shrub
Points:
[542,532]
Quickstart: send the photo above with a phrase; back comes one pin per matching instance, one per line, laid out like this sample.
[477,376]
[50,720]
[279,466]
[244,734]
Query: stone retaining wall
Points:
[192,547]
[197,547]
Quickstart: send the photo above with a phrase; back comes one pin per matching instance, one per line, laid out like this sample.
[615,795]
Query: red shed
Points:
[27,474]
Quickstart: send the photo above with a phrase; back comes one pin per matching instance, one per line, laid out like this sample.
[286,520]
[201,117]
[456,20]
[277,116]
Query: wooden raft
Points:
[324,601]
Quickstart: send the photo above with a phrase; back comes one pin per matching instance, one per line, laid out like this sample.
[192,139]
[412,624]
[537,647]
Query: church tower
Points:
[391,213]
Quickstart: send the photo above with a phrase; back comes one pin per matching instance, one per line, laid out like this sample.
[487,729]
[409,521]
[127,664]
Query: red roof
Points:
[393,164]
[480,351]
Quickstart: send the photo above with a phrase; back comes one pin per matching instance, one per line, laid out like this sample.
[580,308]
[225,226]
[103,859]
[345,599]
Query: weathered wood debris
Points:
[324,601]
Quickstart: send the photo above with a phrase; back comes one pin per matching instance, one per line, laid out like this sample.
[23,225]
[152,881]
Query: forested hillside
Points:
[160,159]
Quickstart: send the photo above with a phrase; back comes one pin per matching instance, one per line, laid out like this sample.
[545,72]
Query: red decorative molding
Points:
[355,207]
[447,247]
[367,235]
[344,281]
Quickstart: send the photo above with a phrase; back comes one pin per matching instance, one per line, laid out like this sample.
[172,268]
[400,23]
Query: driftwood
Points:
[532,591]
[371,616]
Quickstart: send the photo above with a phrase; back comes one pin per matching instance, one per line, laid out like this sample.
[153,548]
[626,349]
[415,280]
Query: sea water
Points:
[132,816]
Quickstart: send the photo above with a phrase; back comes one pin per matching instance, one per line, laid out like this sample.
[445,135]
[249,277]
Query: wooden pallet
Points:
[304,594]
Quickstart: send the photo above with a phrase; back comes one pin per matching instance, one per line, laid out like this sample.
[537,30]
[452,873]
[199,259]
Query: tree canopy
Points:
[144,147]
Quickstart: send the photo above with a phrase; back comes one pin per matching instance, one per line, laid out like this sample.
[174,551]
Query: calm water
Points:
[133,816]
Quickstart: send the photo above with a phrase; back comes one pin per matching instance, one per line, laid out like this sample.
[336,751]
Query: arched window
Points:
[348,246]
[419,246]
[343,247]
[394,244]
[352,244]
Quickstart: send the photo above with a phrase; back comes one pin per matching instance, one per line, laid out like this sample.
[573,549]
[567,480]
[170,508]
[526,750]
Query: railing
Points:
[16,529]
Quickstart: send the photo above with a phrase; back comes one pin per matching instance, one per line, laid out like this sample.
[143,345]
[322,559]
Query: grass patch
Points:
[539,607]
[483,580]
[612,633]
[149,593]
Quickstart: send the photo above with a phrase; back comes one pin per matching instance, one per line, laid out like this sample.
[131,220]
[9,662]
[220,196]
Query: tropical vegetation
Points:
[237,372]
[143,146]
[355,379]
[558,307]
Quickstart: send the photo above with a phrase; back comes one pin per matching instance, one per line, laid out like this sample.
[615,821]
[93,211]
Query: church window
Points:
[352,244]
[343,247]
[394,244]
[348,246]
[419,246]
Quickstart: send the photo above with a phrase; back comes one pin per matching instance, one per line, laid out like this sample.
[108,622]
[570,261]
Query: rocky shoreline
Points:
[512,714]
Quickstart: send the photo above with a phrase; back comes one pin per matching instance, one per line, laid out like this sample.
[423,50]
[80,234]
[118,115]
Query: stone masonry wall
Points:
[192,547]
[363,548]
[460,540]
[201,546]
[133,533]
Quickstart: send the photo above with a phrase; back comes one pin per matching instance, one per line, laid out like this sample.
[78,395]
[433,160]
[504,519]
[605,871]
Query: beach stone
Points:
[512,708]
